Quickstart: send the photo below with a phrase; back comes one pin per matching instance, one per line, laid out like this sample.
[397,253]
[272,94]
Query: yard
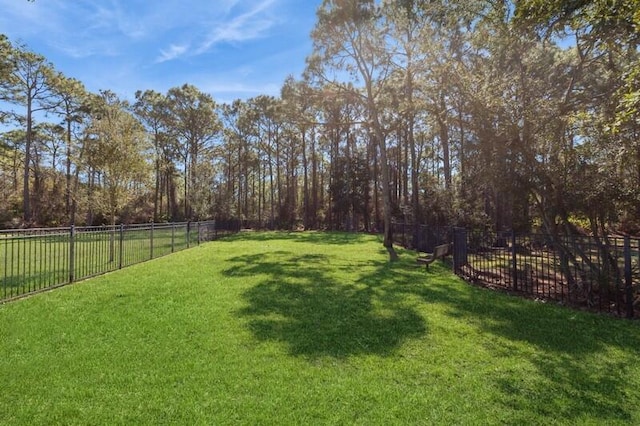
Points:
[37,260]
[308,328]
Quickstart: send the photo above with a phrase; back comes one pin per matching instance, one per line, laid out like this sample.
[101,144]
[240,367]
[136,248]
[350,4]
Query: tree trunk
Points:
[376,187]
[26,193]
[462,155]
[415,190]
[271,185]
[386,189]
[278,171]
[186,187]
[68,173]
[305,167]
[444,141]
[156,192]
[386,199]
[314,184]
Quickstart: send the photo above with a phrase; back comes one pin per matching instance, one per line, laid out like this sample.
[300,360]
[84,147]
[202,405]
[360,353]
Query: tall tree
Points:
[406,24]
[606,38]
[299,107]
[68,101]
[349,38]
[11,158]
[117,148]
[152,109]
[195,123]
[29,86]
[6,74]
[268,112]
[241,134]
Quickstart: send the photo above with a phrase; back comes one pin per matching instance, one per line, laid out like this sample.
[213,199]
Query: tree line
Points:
[492,114]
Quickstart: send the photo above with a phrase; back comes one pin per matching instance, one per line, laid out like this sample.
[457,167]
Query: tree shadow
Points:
[565,344]
[312,237]
[301,305]
[582,365]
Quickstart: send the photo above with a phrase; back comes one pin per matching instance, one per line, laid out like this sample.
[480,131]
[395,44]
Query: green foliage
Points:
[6,68]
[116,147]
[195,124]
[500,114]
[349,187]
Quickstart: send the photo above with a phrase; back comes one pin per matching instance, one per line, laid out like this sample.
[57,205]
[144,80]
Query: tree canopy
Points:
[494,115]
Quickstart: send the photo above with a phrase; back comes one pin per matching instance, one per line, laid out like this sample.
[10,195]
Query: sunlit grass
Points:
[30,263]
[307,328]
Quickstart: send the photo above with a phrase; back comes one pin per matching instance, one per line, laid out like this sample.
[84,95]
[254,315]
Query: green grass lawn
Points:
[37,262]
[307,328]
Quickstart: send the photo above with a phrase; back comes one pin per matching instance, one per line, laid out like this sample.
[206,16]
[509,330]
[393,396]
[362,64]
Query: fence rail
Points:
[33,260]
[600,274]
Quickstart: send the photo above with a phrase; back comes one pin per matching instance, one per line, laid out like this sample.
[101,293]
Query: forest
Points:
[485,114]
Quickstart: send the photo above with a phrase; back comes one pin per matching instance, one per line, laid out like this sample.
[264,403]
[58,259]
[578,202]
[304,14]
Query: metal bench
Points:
[438,253]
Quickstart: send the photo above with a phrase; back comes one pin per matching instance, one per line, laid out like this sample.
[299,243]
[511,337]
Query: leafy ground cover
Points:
[307,328]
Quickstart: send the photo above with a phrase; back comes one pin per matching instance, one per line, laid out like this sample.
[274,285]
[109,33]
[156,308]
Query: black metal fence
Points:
[600,274]
[420,237]
[32,260]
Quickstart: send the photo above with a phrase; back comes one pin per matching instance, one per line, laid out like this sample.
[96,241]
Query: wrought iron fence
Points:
[601,274]
[595,273]
[420,237]
[33,260]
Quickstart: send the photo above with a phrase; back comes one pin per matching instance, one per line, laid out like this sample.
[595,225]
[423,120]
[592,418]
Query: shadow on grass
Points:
[299,304]
[314,237]
[570,383]
[545,363]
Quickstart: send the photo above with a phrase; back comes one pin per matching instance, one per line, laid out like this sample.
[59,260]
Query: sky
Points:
[232,49]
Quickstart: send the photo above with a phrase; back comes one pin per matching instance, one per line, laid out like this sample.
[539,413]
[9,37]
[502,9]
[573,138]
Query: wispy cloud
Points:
[226,28]
[174,51]
[26,19]
[250,25]
[225,47]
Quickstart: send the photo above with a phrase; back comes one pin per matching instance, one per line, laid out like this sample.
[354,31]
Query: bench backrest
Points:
[440,251]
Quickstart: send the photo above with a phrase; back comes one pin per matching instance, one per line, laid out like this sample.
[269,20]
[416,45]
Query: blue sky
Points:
[228,48]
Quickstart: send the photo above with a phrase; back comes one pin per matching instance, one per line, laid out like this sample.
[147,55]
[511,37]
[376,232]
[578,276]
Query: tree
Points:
[607,107]
[349,38]
[47,191]
[11,158]
[298,105]
[239,154]
[68,101]
[406,23]
[194,121]
[117,149]
[268,116]
[153,110]
[28,86]
[6,75]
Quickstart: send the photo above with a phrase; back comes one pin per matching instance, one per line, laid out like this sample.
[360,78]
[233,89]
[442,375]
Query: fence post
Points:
[72,253]
[173,236]
[121,248]
[151,241]
[514,260]
[112,242]
[198,231]
[460,258]
[188,234]
[628,280]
